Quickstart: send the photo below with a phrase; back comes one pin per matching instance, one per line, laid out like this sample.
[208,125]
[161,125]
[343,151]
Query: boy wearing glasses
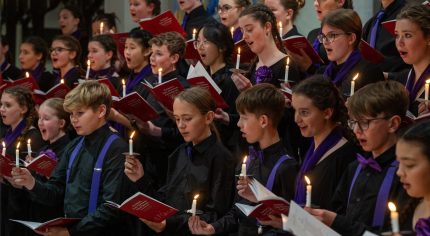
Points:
[377,112]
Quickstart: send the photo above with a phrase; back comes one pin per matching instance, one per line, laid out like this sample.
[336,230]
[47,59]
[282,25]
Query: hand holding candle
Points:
[243,171]
[287,70]
[3,150]
[130,144]
[353,84]
[194,205]
[308,191]
[17,155]
[29,147]
[123,88]
[238,58]
[87,75]
[160,73]
[394,217]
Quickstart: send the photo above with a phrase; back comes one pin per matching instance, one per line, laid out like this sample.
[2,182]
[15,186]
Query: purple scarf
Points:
[237,35]
[134,79]
[12,135]
[312,158]
[352,60]
[51,154]
[413,87]
[37,73]
[263,75]
[422,228]
[67,75]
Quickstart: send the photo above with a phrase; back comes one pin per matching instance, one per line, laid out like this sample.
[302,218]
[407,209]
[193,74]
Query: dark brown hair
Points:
[346,20]
[418,14]
[294,5]
[72,44]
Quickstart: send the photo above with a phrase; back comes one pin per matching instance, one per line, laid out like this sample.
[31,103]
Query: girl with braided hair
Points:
[18,112]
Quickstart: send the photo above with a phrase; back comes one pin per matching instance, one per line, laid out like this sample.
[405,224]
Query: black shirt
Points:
[9,71]
[196,19]
[76,198]
[292,32]
[357,216]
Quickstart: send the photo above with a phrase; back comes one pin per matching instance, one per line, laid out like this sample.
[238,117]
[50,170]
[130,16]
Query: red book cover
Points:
[203,82]
[27,82]
[58,91]
[135,106]
[112,89]
[297,42]
[370,54]
[120,42]
[190,52]
[165,22]
[262,211]
[6,165]
[145,207]
[166,92]
[42,227]
[390,26]
[246,55]
[42,165]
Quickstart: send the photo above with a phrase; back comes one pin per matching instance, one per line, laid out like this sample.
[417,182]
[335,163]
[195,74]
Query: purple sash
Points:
[237,35]
[422,227]
[134,79]
[51,154]
[263,75]
[12,135]
[375,27]
[95,181]
[413,87]
[312,158]
[36,73]
[352,60]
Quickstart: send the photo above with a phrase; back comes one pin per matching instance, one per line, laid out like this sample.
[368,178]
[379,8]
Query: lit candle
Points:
[194,34]
[160,73]
[29,147]
[238,58]
[353,84]
[3,150]
[280,29]
[284,222]
[87,75]
[27,75]
[17,155]
[62,81]
[123,88]
[287,70]
[308,191]
[232,31]
[243,171]
[426,90]
[194,205]
[394,217]
[101,27]
[130,144]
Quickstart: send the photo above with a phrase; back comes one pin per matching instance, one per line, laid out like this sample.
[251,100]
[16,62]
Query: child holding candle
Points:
[104,23]
[286,11]
[18,114]
[95,157]
[228,12]
[201,166]
[415,51]
[260,109]
[368,184]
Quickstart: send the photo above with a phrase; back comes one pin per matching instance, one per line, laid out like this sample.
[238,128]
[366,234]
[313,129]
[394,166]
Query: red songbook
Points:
[42,165]
[145,207]
[27,82]
[165,22]
[133,105]
[190,52]
[58,91]
[120,42]
[198,76]
[390,26]
[270,204]
[165,92]
[112,89]
[246,55]
[42,227]
[370,54]
[297,42]
[6,165]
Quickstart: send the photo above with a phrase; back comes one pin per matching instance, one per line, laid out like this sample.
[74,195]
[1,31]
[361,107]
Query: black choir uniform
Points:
[291,32]
[327,173]
[357,216]
[104,221]
[312,36]
[45,80]
[195,20]
[72,77]
[206,169]
[283,186]
[9,71]
[15,202]
[385,42]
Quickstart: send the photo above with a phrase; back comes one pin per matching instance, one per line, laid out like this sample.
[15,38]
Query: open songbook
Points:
[145,207]
[134,105]
[42,227]
[60,90]
[165,92]
[297,43]
[165,22]
[269,203]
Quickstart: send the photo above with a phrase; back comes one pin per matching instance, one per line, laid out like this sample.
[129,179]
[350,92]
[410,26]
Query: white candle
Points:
[194,34]
[243,171]
[87,75]
[17,155]
[394,217]
[101,27]
[287,70]
[284,222]
[29,147]
[62,81]
[160,73]
[194,205]
[3,150]
[238,58]
[123,88]
[353,84]
[280,29]
[232,31]
[130,144]
[426,90]
[308,191]
[27,75]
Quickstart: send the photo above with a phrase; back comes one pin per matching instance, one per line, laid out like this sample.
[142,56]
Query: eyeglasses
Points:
[363,124]
[198,44]
[330,37]
[58,50]
[224,8]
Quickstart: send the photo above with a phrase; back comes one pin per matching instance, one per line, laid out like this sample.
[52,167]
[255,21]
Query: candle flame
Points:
[238,50]
[356,76]
[194,31]
[62,81]
[280,24]
[308,181]
[428,81]
[160,70]
[88,62]
[244,159]
[132,134]
[123,82]
[232,30]
[29,141]
[101,27]
[392,207]
[3,144]
[17,146]
[27,74]
[196,196]
[288,61]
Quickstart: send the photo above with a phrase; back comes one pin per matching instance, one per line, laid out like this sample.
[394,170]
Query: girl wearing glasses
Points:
[229,11]
[286,11]
[33,53]
[340,35]
[65,54]
[413,44]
